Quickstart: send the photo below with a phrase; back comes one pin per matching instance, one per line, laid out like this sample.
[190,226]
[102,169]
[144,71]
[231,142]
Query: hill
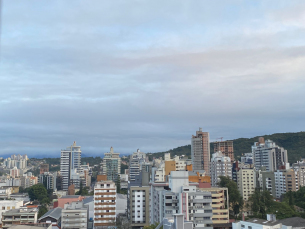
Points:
[294,143]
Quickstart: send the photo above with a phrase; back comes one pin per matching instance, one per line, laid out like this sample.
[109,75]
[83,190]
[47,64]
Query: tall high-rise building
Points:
[200,149]
[226,147]
[70,160]
[135,162]
[112,165]
[220,166]
[267,154]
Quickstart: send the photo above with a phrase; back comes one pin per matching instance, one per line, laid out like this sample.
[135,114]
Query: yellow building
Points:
[220,204]
[246,182]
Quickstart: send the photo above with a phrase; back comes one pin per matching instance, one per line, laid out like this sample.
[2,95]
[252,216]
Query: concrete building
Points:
[299,167]
[75,215]
[220,204]
[70,159]
[285,181]
[135,162]
[267,154]
[14,172]
[138,210]
[48,179]
[67,199]
[200,151]
[220,166]
[104,203]
[179,196]
[263,224]
[23,215]
[111,165]
[6,205]
[246,182]
[226,148]
[176,222]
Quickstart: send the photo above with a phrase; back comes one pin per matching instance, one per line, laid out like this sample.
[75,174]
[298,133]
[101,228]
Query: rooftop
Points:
[53,213]
[70,196]
[294,222]
[263,222]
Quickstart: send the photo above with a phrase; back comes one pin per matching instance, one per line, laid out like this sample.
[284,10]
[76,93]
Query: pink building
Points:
[67,199]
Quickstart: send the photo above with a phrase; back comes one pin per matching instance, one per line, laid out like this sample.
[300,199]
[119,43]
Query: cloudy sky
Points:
[147,74]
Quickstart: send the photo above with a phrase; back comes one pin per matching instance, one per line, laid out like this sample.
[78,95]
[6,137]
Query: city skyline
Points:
[147,75]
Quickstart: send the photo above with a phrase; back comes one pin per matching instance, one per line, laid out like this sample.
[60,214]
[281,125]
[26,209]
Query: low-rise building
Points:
[6,205]
[23,215]
[52,217]
[74,215]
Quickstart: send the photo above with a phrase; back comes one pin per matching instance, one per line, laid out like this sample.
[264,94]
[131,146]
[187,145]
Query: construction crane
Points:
[219,138]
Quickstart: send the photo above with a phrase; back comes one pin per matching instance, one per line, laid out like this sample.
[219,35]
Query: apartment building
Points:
[75,215]
[180,196]
[220,166]
[104,203]
[138,206]
[70,160]
[246,182]
[135,162]
[299,167]
[6,205]
[48,179]
[226,148]
[111,165]
[285,181]
[23,215]
[268,155]
[220,204]
[200,151]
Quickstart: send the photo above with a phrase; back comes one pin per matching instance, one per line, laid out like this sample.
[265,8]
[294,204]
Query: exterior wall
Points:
[63,201]
[169,166]
[138,211]
[220,204]
[226,147]
[200,151]
[70,159]
[74,215]
[246,182]
[104,203]
[6,205]
[111,165]
[19,216]
[220,166]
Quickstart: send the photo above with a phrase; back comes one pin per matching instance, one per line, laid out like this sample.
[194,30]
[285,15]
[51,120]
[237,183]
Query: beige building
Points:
[220,204]
[246,182]
[23,215]
[104,203]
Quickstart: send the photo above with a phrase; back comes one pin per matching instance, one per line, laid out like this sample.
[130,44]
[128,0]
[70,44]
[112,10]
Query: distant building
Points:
[48,180]
[44,168]
[246,182]
[135,162]
[200,151]
[267,154]
[112,165]
[70,159]
[226,147]
[104,204]
[75,215]
[220,166]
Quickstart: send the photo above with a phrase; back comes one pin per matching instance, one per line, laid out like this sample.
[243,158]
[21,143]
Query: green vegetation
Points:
[292,142]
[123,167]
[296,198]
[152,226]
[235,199]
[38,192]
[42,210]
[262,203]
[91,160]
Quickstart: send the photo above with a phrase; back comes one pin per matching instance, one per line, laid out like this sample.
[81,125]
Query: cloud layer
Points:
[136,74]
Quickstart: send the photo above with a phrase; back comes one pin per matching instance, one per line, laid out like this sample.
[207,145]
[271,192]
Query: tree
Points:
[37,192]
[42,210]
[235,199]
[118,185]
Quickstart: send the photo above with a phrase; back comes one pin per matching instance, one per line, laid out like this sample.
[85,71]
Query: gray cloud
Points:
[147,75]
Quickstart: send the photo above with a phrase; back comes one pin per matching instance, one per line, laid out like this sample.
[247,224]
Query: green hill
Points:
[294,143]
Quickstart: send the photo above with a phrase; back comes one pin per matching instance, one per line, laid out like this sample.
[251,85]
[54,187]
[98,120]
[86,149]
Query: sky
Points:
[147,74]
